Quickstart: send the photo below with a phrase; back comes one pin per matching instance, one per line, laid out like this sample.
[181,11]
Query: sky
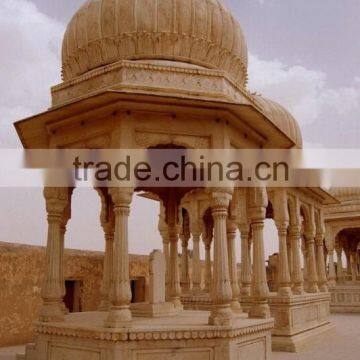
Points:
[304,54]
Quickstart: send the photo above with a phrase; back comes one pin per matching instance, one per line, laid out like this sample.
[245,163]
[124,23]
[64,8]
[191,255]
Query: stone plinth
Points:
[196,302]
[345,298]
[300,321]
[187,336]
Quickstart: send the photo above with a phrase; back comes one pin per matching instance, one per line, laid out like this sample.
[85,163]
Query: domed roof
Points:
[200,32]
[281,118]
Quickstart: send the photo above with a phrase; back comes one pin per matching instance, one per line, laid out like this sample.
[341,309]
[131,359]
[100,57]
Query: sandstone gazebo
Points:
[343,245]
[148,74]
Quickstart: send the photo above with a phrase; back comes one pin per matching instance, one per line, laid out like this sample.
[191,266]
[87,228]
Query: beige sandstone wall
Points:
[21,276]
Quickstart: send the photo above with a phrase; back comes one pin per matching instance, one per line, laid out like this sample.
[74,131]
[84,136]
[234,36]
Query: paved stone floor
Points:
[344,345]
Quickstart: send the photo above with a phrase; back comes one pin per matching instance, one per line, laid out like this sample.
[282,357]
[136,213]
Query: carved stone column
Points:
[174,278]
[172,220]
[231,235]
[62,265]
[57,200]
[340,269]
[208,270]
[260,291]
[119,313]
[185,279]
[108,268]
[281,217]
[322,279]
[196,264]
[289,255]
[107,221]
[312,271]
[353,265]
[348,261]
[245,261]
[297,275]
[305,256]
[164,232]
[332,273]
[283,269]
[221,313]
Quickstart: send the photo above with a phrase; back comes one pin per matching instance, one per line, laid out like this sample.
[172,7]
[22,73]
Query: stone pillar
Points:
[312,271]
[164,232]
[119,314]
[221,294]
[340,269]
[284,282]
[297,275]
[348,261]
[332,273]
[107,221]
[281,217]
[322,280]
[185,279]
[57,200]
[260,291]
[289,255]
[245,260]
[108,267]
[196,264]
[166,250]
[304,253]
[231,235]
[353,266]
[62,265]
[208,270]
[174,277]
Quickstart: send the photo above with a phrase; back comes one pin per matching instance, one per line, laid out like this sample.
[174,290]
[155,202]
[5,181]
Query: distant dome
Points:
[200,32]
[281,118]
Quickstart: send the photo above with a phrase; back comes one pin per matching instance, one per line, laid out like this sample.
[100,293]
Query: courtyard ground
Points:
[343,345]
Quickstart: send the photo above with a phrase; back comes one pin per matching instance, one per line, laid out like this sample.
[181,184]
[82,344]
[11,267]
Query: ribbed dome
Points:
[199,32]
[281,118]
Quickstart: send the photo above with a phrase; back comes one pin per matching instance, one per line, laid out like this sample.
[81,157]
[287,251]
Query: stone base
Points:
[345,299]
[186,336]
[153,310]
[302,341]
[299,320]
[197,302]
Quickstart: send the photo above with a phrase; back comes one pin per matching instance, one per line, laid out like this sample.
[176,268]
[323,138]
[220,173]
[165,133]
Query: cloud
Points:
[30,63]
[327,115]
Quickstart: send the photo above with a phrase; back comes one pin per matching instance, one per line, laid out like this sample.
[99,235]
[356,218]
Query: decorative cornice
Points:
[128,334]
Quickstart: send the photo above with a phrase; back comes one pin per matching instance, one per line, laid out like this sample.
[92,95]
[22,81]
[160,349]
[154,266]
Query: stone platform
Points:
[345,298]
[186,336]
[300,321]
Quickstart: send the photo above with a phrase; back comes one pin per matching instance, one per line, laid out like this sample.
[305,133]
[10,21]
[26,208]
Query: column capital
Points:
[121,196]
[219,201]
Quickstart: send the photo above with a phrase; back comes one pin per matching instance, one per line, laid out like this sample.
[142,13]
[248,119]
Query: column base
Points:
[52,312]
[245,290]
[196,290]
[313,288]
[284,291]
[177,303]
[221,315]
[298,290]
[118,317]
[235,306]
[104,306]
[323,288]
[259,310]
